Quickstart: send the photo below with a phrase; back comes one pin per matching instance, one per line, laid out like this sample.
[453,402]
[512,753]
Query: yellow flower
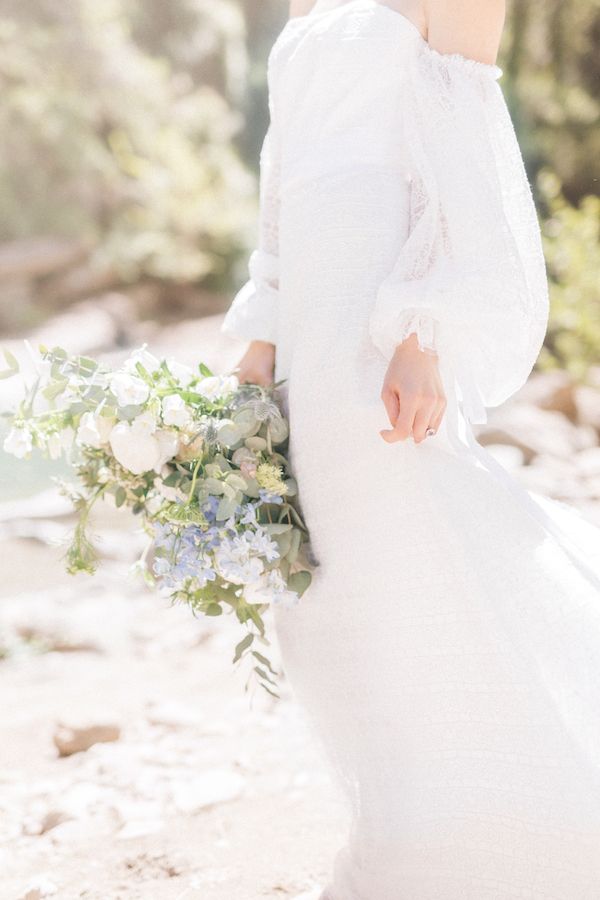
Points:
[270,478]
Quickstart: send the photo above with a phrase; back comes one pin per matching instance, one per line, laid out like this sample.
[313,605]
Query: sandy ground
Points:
[209,792]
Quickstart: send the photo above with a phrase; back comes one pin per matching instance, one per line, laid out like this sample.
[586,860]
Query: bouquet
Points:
[199,458]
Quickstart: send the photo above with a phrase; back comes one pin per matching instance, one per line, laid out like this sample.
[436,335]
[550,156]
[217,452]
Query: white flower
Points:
[139,447]
[270,588]
[141,355]
[94,430]
[18,442]
[104,475]
[213,387]
[183,374]
[128,389]
[54,445]
[136,450]
[175,412]
[145,422]
[168,445]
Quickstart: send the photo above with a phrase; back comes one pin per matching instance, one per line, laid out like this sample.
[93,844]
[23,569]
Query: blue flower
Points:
[267,497]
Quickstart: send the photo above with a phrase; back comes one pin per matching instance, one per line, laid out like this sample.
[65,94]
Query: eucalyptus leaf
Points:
[295,541]
[299,582]
[284,542]
[279,430]
[277,527]
[257,444]
[226,508]
[214,485]
[236,481]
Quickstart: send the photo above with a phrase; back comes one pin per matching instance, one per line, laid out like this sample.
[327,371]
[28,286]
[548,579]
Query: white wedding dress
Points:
[447,652]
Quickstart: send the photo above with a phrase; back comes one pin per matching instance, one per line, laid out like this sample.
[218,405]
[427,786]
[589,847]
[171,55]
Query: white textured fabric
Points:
[447,653]
[253,312]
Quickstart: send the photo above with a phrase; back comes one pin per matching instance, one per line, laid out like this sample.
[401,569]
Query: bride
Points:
[447,653]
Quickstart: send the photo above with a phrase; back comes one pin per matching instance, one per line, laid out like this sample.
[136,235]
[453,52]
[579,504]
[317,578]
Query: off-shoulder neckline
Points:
[457,59]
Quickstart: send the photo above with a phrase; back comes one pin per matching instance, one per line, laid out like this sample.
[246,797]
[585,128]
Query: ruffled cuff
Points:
[388,334]
[252,315]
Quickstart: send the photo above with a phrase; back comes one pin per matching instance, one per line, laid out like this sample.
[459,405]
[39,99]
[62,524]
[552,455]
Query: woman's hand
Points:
[257,365]
[412,393]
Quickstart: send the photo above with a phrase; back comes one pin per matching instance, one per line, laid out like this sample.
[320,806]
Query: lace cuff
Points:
[424,326]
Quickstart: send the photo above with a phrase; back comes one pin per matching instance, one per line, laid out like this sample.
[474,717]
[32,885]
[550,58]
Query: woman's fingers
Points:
[439,414]
[415,416]
[404,421]
[424,416]
[392,405]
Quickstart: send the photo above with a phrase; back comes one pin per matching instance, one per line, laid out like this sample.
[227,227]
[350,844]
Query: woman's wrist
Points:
[412,343]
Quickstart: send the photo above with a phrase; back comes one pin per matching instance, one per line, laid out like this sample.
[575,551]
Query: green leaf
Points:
[284,542]
[120,496]
[296,538]
[299,582]
[263,659]
[242,646]
[264,674]
[226,508]
[204,370]
[11,360]
[53,390]
[269,691]
[277,527]
[213,609]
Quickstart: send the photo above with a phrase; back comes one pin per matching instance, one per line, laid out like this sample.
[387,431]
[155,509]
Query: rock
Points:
[39,888]
[38,256]
[207,789]
[587,400]
[173,714]
[78,282]
[554,390]
[17,305]
[89,326]
[140,828]
[68,739]
[50,820]
[535,431]
[587,462]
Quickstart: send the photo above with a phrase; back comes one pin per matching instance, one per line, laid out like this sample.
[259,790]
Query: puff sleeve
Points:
[470,278]
[252,314]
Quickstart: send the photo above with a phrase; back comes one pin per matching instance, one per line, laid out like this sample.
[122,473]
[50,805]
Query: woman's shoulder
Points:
[469,28]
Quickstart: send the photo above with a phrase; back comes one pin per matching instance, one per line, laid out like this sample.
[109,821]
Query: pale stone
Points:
[39,888]
[207,789]
[72,739]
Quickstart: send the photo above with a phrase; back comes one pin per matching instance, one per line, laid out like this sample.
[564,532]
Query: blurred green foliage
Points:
[571,237]
[137,124]
[124,134]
